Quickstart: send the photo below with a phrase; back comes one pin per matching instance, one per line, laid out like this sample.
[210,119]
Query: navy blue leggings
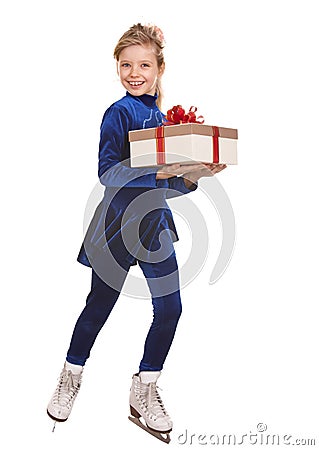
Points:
[167,309]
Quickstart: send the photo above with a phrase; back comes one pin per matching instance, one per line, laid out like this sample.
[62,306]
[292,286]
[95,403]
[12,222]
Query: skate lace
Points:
[151,401]
[67,389]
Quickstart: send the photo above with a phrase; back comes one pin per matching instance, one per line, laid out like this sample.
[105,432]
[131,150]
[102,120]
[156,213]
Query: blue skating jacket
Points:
[133,219]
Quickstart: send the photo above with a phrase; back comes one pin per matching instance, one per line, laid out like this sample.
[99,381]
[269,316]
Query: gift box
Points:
[184,143]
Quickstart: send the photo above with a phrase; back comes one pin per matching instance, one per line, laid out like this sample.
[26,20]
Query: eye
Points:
[145,65]
[125,65]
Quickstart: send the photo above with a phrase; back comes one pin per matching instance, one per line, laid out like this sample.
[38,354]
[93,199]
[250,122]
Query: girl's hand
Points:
[167,171]
[173,170]
[212,169]
[202,170]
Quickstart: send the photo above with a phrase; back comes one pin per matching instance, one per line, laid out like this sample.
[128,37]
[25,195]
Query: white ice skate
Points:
[146,403]
[61,403]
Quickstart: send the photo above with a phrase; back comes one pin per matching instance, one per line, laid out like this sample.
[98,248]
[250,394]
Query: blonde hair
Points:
[145,35]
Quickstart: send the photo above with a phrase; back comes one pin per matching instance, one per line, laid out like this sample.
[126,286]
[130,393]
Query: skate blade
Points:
[164,437]
[56,420]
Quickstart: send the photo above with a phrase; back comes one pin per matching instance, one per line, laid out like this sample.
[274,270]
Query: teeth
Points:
[136,83]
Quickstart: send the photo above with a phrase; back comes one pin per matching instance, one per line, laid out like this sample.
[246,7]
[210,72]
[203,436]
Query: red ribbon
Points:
[176,115]
[160,145]
[215,144]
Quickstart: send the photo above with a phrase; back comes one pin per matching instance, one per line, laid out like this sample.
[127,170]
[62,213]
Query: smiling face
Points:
[138,69]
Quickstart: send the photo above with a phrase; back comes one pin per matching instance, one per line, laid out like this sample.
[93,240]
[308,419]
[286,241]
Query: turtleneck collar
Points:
[147,99]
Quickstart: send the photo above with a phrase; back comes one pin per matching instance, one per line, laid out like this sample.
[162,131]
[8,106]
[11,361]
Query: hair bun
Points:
[157,31]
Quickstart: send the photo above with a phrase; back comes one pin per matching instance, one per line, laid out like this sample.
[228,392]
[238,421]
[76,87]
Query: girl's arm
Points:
[189,182]
[178,186]
[114,169]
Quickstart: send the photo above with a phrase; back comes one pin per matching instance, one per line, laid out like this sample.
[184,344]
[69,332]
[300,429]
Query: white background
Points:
[245,351]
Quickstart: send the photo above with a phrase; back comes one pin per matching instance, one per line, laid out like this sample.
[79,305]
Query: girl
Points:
[132,225]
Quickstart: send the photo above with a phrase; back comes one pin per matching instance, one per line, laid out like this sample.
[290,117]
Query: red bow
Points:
[177,115]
